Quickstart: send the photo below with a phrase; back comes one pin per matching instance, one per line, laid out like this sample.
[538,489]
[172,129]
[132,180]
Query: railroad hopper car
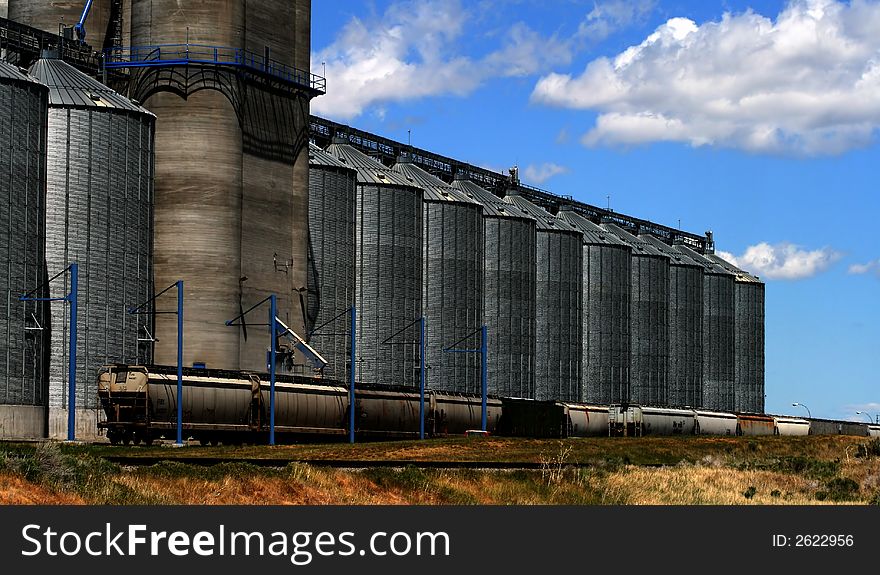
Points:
[139,405]
[714,423]
[552,419]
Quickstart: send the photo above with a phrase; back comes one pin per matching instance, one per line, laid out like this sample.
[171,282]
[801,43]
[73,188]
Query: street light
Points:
[805,407]
[868,415]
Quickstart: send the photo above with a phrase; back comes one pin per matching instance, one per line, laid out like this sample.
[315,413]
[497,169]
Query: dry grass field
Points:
[601,471]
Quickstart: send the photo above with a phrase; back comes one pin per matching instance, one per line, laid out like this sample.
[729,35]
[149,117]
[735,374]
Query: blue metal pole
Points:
[71,376]
[180,362]
[273,310]
[484,375]
[422,379]
[351,403]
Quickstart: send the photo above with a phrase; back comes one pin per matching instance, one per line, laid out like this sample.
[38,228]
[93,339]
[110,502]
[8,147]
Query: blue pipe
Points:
[273,310]
[180,362]
[422,378]
[484,372]
[71,377]
[80,27]
[351,402]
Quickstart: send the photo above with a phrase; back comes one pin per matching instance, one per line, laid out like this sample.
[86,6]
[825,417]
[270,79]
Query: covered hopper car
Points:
[139,405]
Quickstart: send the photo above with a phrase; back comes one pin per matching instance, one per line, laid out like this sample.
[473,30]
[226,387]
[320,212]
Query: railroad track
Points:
[146,461]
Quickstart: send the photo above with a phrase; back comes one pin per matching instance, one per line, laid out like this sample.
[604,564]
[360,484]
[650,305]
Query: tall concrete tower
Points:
[48,15]
[231,167]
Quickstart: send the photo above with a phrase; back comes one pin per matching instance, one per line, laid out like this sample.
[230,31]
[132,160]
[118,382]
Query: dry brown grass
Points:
[15,490]
[705,485]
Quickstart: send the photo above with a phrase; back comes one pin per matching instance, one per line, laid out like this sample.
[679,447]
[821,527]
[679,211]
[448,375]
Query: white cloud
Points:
[413,51]
[537,175]
[783,261]
[866,268]
[806,83]
[608,17]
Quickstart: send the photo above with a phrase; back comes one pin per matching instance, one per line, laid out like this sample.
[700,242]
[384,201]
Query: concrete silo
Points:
[49,15]
[389,270]
[719,318]
[452,279]
[748,388]
[332,261]
[99,214]
[606,312]
[231,173]
[685,326]
[23,393]
[558,334]
[649,316]
[509,291]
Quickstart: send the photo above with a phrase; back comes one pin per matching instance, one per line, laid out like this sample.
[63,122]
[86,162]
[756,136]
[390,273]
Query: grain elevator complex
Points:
[165,147]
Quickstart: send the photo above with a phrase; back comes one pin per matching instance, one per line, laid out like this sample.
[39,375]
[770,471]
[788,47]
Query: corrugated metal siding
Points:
[510,245]
[650,320]
[452,276]
[99,214]
[748,339]
[606,313]
[559,262]
[389,271]
[22,151]
[685,327]
[718,333]
[332,202]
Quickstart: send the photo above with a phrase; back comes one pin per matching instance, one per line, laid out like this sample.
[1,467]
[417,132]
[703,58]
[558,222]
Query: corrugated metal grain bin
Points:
[98,214]
[23,397]
[685,326]
[560,284]
[389,270]
[332,241]
[748,387]
[649,316]
[606,312]
[509,292]
[452,280]
[718,333]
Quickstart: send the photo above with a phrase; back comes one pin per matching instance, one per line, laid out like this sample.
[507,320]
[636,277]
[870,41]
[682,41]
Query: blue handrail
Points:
[185,54]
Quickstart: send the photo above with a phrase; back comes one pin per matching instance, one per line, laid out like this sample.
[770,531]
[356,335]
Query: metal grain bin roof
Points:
[545,220]
[709,267]
[677,258]
[320,158]
[593,234]
[640,246]
[70,88]
[493,206]
[370,171]
[436,190]
[10,72]
[742,276]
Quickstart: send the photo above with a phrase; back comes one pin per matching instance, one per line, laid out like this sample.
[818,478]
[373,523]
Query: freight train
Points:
[231,407]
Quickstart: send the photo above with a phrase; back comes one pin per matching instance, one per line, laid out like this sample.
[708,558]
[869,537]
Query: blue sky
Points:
[756,120]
